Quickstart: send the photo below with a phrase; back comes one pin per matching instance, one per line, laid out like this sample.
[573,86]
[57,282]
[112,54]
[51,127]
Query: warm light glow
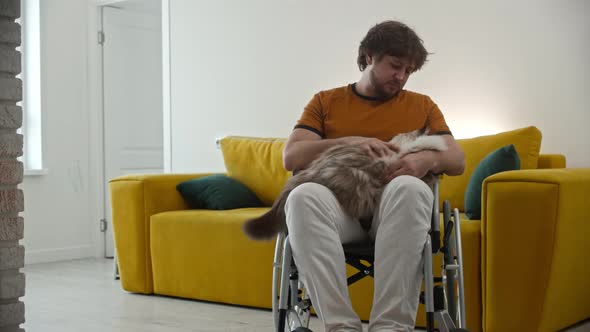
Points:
[466,130]
[475,118]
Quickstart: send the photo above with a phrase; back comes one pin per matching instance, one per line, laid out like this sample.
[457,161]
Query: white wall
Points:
[57,205]
[249,67]
[64,206]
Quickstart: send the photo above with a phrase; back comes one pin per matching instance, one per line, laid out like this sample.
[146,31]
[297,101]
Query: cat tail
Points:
[271,223]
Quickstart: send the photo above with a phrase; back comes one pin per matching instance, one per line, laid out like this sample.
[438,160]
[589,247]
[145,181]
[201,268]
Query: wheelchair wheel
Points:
[288,292]
[296,317]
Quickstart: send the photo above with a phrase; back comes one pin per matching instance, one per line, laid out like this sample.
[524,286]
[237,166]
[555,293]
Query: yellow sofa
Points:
[524,261]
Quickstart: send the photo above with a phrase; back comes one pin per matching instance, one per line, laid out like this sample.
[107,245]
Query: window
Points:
[31,75]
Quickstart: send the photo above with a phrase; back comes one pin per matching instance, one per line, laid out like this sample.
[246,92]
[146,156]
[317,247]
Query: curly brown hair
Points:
[392,38]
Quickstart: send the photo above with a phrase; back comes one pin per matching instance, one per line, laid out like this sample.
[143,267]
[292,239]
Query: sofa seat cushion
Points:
[203,254]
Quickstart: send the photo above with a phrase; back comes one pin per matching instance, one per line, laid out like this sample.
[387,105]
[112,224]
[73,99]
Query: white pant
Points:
[318,227]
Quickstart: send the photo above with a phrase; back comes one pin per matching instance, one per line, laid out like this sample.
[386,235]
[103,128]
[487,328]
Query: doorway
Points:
[130,37]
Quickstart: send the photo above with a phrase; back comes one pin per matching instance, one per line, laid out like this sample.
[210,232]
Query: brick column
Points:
[12,254]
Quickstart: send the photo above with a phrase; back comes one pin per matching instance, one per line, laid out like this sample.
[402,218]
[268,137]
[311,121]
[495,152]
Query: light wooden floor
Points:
[82,296]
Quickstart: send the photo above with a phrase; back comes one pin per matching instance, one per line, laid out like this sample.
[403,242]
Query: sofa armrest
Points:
[535,227]
[134,199]
[551,161]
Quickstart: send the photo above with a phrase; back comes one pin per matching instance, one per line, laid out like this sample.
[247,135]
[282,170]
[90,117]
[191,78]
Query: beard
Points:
[384,90]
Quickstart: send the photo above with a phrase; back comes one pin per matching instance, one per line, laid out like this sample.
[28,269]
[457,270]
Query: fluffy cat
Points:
[354,176]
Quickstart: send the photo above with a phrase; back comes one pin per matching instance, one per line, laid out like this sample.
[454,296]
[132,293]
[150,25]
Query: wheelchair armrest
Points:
[435,220]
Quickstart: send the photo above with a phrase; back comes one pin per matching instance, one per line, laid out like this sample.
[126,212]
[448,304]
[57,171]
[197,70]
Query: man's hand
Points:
[376,147]
[416,164]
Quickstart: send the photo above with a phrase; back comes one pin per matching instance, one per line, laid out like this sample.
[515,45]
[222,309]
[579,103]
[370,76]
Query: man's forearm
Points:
[300,154]
[450,162]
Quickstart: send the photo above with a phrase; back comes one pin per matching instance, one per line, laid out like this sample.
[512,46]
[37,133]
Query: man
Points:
[369,113]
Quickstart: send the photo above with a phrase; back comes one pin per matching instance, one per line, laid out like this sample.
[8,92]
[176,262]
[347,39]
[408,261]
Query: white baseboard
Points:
[58,254]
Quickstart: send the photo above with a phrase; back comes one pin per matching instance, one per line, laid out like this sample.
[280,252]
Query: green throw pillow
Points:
[217,192]
[503,159]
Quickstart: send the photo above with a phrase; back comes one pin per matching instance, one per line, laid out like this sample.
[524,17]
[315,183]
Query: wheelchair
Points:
[443,297]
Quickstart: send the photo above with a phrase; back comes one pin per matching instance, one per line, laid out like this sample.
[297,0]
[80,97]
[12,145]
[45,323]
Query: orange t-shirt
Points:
[343,112]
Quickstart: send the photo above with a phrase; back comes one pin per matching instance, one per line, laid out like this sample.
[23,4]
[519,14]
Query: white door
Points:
[132,100]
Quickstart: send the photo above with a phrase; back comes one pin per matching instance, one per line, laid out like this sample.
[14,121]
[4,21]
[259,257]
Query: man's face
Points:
[388,75]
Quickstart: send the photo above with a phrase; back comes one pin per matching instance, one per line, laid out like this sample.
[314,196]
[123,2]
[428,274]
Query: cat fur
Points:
[356,178]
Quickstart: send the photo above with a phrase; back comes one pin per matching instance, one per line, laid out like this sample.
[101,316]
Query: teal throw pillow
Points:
[503,159]
[217,192]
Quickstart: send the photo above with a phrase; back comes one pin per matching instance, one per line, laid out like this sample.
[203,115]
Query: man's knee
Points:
[304,194]
[301,199]
[410,187]
[412,199]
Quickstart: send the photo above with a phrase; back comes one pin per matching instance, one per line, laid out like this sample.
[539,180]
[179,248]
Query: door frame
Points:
[97,176]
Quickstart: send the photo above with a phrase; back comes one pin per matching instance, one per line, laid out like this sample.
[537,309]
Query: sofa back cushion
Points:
[527,142]
[257,163]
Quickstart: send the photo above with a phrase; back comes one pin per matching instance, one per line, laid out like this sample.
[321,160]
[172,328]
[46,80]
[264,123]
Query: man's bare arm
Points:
[303,146]
[450,161]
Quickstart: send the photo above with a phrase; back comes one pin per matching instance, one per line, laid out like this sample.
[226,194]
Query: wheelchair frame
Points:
[291,304]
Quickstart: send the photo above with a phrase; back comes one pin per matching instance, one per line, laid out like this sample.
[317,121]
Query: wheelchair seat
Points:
[361,256]
[361,250]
